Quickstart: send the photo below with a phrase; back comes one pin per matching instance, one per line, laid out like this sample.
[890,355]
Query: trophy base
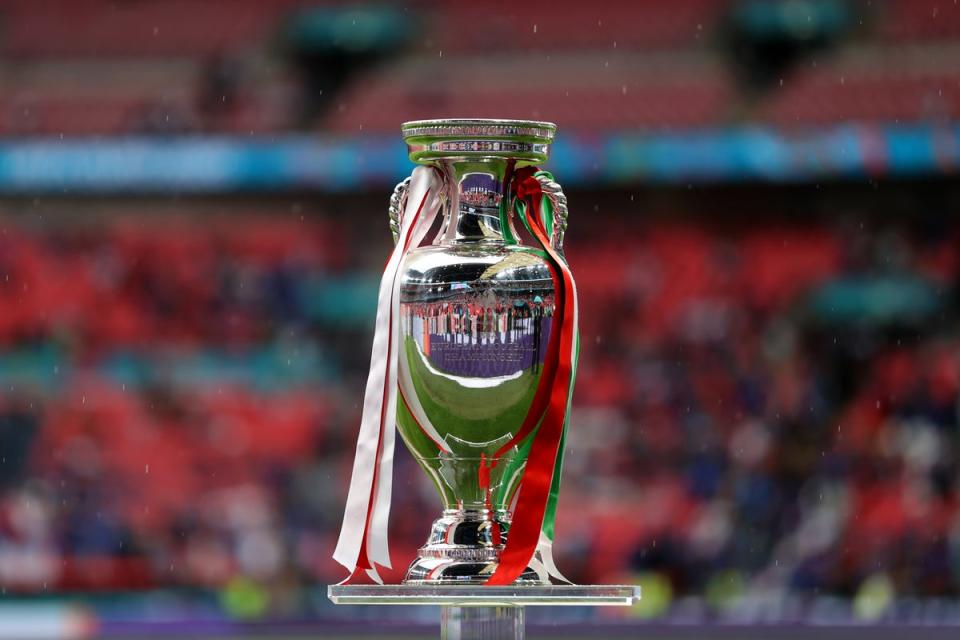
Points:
[464,548]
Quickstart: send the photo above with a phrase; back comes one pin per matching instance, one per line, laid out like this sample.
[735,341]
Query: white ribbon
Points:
[371,482]
[545,551]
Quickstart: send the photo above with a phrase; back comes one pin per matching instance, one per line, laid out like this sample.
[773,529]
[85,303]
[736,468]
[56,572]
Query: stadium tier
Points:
[98,67]
[873,84]
[102,28]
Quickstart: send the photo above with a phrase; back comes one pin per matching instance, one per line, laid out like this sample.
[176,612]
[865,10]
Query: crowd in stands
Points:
[178,408]
[736,424]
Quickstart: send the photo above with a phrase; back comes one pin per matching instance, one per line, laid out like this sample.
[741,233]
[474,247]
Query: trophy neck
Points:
[479,203]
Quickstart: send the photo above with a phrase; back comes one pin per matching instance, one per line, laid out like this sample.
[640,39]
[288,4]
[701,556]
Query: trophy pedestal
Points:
[481,612]
[464,547]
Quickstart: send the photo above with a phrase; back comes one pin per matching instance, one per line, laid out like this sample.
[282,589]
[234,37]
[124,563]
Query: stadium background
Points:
[765,232]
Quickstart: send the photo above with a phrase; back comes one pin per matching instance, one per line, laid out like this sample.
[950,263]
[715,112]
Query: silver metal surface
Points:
[554,192]
[398,200]
[472,127]
[475,145]
[483,596]
[464,547]
[525,141]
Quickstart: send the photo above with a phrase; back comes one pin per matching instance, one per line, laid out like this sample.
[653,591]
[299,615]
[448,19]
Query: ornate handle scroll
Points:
[398,201]
[558,202]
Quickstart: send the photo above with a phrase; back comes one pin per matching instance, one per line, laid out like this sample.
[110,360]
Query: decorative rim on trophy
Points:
[474,358]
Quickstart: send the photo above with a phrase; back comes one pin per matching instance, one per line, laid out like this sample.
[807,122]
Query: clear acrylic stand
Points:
[477,612]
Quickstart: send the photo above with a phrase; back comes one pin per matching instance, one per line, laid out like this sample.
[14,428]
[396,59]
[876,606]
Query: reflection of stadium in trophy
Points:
[480,197]
[493,326]
[465,337]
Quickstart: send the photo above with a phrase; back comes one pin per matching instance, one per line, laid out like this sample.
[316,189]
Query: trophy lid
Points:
[527,141]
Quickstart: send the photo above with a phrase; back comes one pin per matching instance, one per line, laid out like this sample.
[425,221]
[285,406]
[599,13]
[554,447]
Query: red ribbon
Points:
[549,405]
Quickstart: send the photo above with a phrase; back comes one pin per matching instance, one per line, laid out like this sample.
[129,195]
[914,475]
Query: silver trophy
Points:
[476,313]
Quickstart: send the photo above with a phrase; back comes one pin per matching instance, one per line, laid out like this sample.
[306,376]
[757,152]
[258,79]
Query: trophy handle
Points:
[558,204]
[398,201]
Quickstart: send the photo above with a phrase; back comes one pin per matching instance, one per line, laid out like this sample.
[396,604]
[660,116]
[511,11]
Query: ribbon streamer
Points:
[363,540]
[556,384]
[545,544]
